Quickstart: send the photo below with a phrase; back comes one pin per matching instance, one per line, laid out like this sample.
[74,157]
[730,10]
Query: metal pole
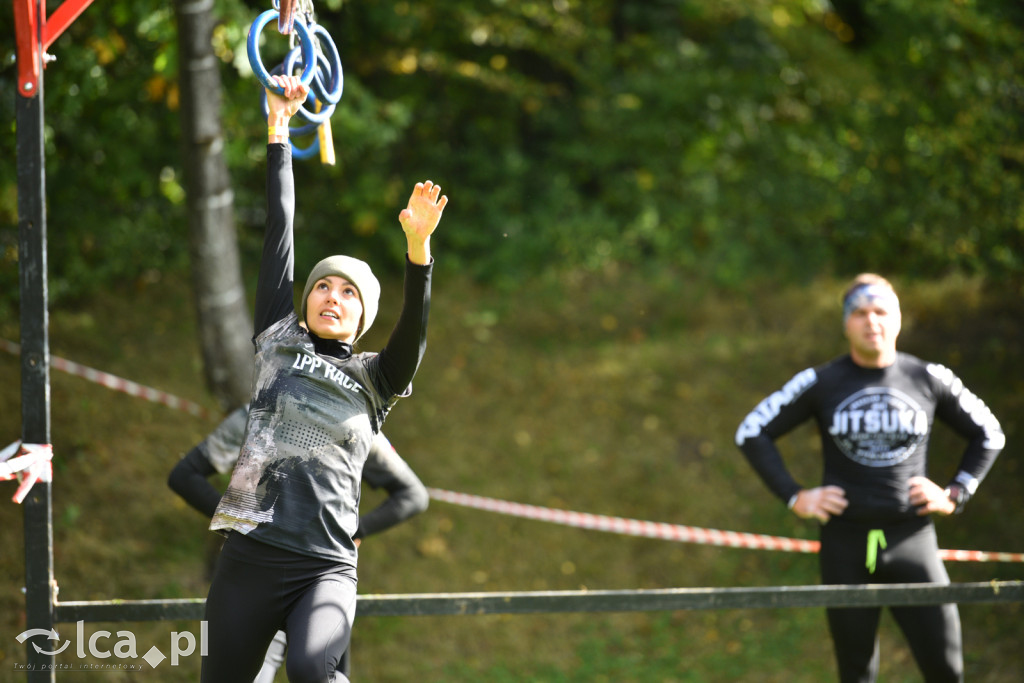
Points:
[556,602]
[35,364]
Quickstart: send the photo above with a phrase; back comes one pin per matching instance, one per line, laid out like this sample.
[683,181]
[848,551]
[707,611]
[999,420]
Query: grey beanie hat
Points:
[355,271]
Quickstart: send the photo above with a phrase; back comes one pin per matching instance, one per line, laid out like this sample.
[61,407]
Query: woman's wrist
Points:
[277,126]
[277,133]
[419,252]
[278,118]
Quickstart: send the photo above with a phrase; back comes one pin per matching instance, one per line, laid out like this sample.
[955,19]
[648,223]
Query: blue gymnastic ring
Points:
[331,93]
[304,129]
[252,47]
[310,114]
[307,152]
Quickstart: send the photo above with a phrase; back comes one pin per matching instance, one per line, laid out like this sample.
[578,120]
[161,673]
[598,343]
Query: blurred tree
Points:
[225,328]
[853,26]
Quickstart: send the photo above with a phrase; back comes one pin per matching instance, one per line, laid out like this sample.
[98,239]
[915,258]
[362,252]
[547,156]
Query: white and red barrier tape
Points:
[116,383]
[674,532]
[581,520]
[33,463]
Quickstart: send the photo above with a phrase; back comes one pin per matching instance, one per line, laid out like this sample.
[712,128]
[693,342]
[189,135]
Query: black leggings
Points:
[911,555]
[259,589]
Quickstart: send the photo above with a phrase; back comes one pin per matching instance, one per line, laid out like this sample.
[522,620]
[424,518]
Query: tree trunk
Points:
[225,327]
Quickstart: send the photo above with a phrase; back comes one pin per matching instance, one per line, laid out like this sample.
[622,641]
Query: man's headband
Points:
[870,294]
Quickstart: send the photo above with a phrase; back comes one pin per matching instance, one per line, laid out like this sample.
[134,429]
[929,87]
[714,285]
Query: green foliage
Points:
[114,208]
[734,139]
[942,168]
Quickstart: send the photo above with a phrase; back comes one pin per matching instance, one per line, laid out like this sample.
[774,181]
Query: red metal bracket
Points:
[35,34]
[27,33]
[286,16]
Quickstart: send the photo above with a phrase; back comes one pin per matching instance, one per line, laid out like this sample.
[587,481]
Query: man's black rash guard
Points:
[875,424]
[315,405]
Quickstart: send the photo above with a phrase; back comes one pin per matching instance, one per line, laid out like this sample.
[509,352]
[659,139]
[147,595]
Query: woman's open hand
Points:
[420,217]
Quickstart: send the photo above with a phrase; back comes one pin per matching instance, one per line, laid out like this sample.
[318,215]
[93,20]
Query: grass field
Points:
[615,394]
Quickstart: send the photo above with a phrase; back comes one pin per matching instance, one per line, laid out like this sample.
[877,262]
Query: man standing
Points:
[875,408]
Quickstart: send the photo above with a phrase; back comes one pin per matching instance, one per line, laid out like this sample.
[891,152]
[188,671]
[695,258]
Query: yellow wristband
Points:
[281,131]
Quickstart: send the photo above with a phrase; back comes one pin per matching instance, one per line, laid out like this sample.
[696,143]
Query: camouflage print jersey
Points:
[311,422]
[315,405]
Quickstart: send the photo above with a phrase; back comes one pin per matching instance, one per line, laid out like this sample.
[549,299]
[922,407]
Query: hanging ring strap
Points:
[286,15]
